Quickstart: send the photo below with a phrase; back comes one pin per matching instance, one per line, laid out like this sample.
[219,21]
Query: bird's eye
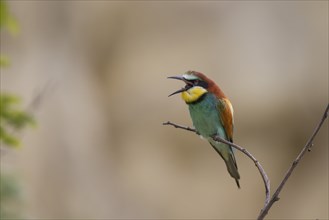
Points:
[196,82]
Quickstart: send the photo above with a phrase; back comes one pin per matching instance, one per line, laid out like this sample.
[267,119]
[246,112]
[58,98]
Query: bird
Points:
[211,113]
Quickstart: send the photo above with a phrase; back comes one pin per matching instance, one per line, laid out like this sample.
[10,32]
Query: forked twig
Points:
[269,201]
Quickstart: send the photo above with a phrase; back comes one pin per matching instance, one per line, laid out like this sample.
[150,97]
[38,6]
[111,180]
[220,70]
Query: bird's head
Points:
[196,86]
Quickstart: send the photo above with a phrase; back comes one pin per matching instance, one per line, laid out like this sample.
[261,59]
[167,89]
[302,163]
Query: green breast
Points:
[205,116]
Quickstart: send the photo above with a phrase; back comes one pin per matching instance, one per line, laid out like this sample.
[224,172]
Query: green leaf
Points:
[4,61]
[3,13]
[12,118]
[7,20]
[12,25]
[7,101]
[7,139]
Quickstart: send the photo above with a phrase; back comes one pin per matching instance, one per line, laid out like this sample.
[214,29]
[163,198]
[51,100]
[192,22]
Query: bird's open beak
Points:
[178,91]
[182,89]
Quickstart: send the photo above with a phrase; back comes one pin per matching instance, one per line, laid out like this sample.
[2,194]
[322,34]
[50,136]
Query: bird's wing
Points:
[225,110]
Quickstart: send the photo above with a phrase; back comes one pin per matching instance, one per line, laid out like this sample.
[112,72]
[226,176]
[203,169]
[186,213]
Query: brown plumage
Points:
[212,87]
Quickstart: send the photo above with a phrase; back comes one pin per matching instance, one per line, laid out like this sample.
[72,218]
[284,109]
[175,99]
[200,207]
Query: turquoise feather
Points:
[206,120]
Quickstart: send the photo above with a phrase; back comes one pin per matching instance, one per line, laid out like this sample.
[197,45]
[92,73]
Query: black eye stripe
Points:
[197,82]
[201,83]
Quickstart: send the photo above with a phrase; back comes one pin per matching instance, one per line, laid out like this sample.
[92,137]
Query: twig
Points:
[179,126]
[306,148]
[269,201]
[40,96]
[243,150]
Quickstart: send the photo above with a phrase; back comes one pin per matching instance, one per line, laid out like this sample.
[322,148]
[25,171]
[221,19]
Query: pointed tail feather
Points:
[231,165]
[232,168]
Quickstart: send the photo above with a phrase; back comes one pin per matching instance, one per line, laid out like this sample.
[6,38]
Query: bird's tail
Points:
[232,168]
[229,158]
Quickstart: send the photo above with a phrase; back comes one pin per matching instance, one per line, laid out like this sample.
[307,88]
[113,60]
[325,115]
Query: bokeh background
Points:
[99,69]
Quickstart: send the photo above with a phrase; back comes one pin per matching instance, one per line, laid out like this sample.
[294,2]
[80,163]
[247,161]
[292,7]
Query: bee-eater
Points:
[211,113]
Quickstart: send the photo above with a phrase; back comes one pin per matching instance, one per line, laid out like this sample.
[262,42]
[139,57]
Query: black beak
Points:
[176,77]
[182,89]
[178,91]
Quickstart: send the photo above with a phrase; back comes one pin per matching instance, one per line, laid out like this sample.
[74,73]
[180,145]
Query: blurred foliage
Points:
[10,197]
[11,117]
[7,20]
[4,61]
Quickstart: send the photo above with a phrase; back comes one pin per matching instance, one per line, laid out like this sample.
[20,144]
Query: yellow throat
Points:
[193,94]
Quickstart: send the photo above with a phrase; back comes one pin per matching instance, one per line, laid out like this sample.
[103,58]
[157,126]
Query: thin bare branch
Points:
[179,126]
[243,150]
[306,148]
[269,201]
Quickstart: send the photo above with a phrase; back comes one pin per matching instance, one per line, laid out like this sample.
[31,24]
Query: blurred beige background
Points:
[100,151]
